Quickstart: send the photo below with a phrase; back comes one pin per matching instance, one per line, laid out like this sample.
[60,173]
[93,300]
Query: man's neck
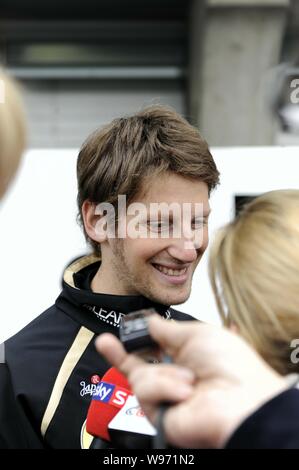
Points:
[105,282]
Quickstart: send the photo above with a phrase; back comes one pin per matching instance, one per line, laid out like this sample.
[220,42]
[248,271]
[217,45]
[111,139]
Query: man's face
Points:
[160,268]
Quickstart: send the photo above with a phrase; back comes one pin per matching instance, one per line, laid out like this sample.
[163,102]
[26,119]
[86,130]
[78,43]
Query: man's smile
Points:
[171,274]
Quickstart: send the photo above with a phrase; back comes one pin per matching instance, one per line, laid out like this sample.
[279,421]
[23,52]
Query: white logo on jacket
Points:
[87,389]
[112,317]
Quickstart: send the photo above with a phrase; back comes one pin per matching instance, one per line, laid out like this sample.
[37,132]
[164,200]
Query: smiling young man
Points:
[143,256]
[159,268]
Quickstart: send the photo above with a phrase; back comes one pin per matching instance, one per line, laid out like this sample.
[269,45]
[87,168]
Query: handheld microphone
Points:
[135,336]
[109,397]
[130,428]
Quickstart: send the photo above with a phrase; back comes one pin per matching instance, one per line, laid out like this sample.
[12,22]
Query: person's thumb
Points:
[170,335]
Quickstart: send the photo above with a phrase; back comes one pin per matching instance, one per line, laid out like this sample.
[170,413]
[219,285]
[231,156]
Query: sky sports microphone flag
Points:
[109,397]
[130,428]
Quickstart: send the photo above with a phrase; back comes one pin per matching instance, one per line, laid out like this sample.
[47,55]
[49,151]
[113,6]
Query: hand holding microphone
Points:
[216,382]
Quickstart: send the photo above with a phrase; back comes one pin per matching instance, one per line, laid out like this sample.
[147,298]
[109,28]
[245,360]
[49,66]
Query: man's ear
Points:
[94,223]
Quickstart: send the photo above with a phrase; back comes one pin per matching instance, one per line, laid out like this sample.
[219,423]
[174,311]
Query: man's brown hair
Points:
[123,156]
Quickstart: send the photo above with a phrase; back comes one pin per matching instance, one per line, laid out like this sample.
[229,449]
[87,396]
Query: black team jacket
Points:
[50,368]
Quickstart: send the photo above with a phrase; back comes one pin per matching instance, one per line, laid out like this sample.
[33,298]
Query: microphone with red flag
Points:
[109,397]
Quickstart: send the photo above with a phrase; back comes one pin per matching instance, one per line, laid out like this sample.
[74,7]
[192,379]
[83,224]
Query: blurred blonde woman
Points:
[12,130]
[15,433]
[254,270]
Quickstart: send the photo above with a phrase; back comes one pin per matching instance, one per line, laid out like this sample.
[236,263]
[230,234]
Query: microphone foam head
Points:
[110,395]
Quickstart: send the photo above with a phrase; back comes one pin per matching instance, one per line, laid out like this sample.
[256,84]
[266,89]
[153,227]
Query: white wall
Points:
[39,234]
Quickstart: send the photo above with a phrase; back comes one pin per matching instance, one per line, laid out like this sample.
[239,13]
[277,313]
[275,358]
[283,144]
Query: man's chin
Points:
[178,301]
[172,299]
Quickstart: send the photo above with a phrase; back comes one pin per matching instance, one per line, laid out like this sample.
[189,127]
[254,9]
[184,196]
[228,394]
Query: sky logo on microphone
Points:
[111,394]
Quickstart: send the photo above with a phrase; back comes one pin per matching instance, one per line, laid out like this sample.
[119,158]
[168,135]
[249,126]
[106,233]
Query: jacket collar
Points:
[98,311]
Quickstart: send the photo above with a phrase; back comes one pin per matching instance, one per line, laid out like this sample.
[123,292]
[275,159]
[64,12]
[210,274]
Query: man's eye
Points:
[158,226]
[197,224]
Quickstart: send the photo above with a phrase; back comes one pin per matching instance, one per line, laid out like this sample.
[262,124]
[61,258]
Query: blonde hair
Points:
[12,129]
[254,271]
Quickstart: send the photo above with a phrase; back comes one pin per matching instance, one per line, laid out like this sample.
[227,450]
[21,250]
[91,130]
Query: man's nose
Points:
[183,250]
